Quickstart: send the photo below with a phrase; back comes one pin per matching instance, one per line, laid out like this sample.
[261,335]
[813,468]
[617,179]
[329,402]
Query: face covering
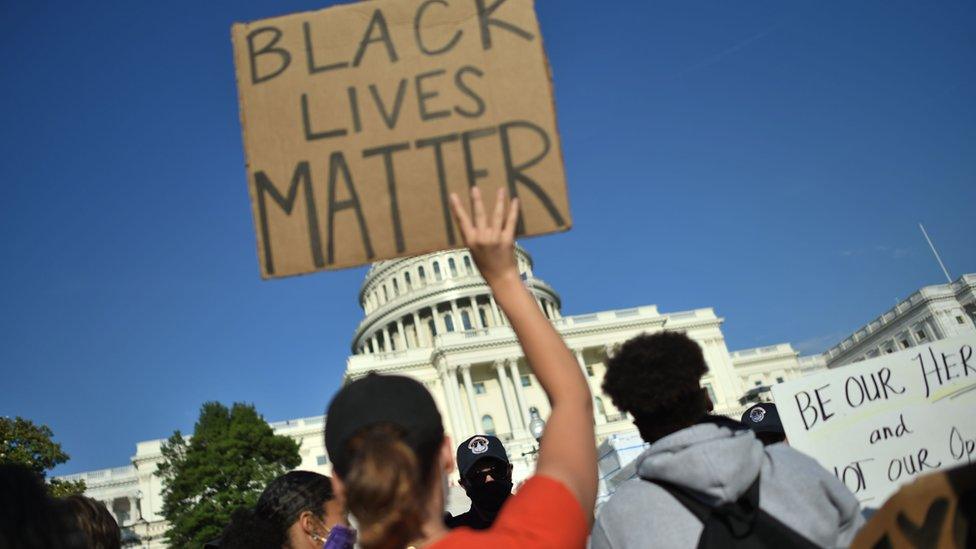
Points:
[489,498]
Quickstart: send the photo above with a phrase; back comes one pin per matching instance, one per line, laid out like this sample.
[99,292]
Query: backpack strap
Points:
[723,523]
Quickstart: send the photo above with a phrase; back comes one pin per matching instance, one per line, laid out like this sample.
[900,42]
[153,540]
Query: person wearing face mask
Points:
[297,510]
[486,476]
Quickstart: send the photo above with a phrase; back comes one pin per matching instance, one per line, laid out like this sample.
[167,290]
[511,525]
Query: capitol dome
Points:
[408,302]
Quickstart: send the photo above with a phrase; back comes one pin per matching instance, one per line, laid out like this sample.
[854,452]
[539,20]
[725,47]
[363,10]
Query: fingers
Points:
[498,217]
[508,230]
[461,215]
[478,207]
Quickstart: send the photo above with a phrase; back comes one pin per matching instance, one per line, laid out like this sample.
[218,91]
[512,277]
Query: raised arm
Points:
[568,448]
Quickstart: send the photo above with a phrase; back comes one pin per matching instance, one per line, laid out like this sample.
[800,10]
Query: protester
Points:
[297,510]
[764,421]
[94,520]
[391,457]
[705,480]
[486,476]
[29,518]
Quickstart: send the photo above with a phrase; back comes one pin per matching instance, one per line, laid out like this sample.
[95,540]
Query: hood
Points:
[713,459]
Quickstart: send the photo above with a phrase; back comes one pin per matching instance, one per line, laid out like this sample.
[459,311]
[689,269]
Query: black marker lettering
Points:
[416,31]
[310,55]
[379,22]
[514,173]
[307,125]
[268,48]
[387,153]
[485,20]
[473,174]
[466,90]
[263,186]
[337,162]
[436,143]
[423,96]
[390,118]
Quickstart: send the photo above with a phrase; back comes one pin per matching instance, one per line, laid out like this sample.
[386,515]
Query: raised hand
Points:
[492,242]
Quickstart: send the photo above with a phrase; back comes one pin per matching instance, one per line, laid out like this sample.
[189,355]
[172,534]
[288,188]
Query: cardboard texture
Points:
[359,119]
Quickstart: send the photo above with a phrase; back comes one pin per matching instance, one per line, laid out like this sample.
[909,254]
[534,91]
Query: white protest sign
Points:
[879,423]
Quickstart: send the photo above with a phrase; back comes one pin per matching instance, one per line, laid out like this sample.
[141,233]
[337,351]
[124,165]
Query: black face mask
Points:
[489,497]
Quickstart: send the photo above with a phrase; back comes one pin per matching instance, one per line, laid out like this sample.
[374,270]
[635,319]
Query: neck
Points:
[433,528]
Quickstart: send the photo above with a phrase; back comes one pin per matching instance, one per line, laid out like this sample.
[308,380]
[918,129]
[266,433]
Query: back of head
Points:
[29,518]
[95,522]
[383,435]
[656,378]
[279,506]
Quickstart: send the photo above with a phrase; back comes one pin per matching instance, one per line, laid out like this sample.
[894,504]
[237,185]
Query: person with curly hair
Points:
[94,520]
[705,480]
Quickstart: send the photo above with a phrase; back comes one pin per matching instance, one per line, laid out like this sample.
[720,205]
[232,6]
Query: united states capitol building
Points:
[433,318]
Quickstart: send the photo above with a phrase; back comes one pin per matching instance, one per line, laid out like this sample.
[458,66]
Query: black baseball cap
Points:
[374,399]
[479,447]
[763,418]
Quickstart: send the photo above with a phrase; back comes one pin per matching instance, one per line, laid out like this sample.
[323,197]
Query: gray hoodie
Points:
[722,463]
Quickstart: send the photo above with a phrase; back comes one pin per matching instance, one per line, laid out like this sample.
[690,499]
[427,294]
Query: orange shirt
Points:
[543,514]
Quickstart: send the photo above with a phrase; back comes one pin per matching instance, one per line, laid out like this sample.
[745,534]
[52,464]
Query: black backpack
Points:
[740,524]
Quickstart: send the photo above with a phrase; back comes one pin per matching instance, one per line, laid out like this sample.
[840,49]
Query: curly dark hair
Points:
[656,378]
[280,505]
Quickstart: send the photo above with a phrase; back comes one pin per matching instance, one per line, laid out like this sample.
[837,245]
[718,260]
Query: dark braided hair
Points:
[280,505]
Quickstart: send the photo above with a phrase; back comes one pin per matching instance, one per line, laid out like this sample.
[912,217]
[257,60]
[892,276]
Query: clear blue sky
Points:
[769,159]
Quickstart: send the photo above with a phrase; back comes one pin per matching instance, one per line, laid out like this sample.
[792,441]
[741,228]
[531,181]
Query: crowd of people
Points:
[704,480]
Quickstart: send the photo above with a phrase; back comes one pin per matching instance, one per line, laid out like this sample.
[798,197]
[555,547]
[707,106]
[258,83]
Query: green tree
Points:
[25,443]
[228,461]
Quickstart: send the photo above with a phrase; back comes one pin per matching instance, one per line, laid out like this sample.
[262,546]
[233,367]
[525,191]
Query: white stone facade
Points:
[931,313]
[433,318]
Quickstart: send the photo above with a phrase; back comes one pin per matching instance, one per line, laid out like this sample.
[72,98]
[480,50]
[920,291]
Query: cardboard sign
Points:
[880,423]
[360,119]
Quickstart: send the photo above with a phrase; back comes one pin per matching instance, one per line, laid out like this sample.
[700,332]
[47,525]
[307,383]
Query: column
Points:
[422,340]
[402,334]
[495,313]
[386,339]
[523,404]
[449,399]
[376,342]
[472,404]
[458,327]
[510,411]
[476,313]
[438,321]
[582,364]
[456,392]
[134,514]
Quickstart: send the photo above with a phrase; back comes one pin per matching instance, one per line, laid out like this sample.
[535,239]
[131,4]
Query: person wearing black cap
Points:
[486,476]
[763,419]
[391,457]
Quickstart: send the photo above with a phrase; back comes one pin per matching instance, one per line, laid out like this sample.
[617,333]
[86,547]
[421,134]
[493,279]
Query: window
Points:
[479,388]
[589,371]
[386,295]
[452,265]
[960,320]
[396,287]
[920,334]
[406,280]
[904,344]
[889,350]
[322,460]
[467,265]
[758,383]
[422,274]
[484,317]
[779,380]
[431,325]
[437,271]
[526,380]
[599,406]
[711,393]
[448,323]
[488,424]
[465,320]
